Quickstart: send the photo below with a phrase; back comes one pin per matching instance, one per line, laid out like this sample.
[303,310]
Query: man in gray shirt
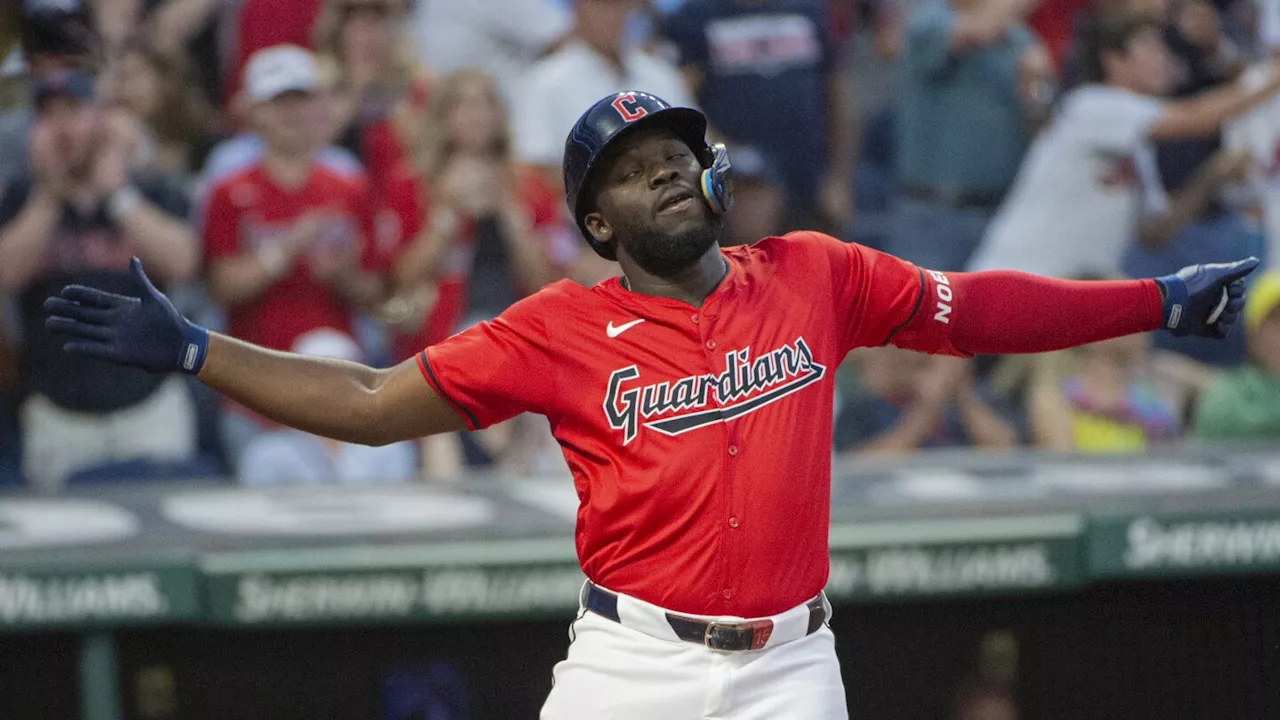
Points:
[971,72]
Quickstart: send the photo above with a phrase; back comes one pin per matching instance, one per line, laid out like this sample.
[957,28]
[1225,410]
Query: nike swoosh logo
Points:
[614,332]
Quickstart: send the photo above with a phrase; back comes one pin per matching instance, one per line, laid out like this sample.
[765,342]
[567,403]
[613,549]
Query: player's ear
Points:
[599,228]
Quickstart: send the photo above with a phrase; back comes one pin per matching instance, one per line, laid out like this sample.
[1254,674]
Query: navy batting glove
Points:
[1205,300]
[144,331]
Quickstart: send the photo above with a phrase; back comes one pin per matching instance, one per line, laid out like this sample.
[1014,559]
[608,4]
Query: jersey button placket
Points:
[714,366]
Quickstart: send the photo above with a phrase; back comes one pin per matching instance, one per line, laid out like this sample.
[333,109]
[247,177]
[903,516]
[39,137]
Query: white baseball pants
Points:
[639,670]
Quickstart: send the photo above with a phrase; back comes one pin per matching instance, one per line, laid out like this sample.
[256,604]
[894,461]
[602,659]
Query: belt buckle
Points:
[760,632]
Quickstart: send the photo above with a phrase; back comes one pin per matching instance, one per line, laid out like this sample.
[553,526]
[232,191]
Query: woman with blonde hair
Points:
[365,57]
[479,229]
[476,232]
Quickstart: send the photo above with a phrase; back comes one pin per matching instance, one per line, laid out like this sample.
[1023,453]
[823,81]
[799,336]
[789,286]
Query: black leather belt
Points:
[724,636]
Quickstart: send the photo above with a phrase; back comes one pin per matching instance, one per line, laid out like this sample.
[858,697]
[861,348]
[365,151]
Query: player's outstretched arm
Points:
[337,399]
[1003,312]
[334,398]
[1006,312]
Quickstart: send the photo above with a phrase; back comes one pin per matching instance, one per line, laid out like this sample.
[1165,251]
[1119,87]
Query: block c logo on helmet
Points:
[628,108]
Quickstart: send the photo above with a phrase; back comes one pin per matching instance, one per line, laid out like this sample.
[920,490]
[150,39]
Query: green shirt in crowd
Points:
[1243,404]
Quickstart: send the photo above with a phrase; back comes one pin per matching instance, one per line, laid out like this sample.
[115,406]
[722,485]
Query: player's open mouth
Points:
[678,202]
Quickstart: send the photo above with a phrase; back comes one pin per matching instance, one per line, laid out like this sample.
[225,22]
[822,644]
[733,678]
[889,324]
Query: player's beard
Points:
[665,254]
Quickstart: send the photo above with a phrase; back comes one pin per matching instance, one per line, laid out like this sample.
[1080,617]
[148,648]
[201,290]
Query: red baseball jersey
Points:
[699,438]
[247,211]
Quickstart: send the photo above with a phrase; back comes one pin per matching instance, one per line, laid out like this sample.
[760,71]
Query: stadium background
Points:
[1093,534]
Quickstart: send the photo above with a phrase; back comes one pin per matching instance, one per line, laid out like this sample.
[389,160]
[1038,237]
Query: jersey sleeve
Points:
[221,226]
[878,297]
[497,369]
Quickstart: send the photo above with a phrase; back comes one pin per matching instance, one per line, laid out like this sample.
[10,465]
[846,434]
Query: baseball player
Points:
[691,396]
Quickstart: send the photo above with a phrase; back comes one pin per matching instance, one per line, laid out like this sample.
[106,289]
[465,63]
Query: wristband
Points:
[195,348]
[123,201]
[1176,298]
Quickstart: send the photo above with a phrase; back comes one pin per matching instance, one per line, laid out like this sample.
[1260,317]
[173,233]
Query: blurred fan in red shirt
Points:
[366,56]
[285,237]
[465,231]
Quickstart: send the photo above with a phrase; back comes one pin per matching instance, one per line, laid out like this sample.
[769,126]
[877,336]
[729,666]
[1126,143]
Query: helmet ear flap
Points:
[717,179]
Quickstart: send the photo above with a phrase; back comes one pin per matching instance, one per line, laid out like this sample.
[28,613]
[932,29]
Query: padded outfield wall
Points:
[1127,587]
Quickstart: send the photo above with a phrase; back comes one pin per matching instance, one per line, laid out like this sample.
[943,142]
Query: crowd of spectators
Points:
[362,178]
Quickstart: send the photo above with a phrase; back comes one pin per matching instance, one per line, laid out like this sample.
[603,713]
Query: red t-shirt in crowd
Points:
[382,154]
[404,212]
[382,150]
[699,438]
[247,211]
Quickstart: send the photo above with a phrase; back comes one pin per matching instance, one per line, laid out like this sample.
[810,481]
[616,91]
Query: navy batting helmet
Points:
[611,117]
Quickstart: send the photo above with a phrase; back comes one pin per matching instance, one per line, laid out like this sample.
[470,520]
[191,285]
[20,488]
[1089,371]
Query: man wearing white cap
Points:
[75,212]
[284,239]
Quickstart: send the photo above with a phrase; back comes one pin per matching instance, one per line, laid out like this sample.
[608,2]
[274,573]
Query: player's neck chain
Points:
[626,283]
